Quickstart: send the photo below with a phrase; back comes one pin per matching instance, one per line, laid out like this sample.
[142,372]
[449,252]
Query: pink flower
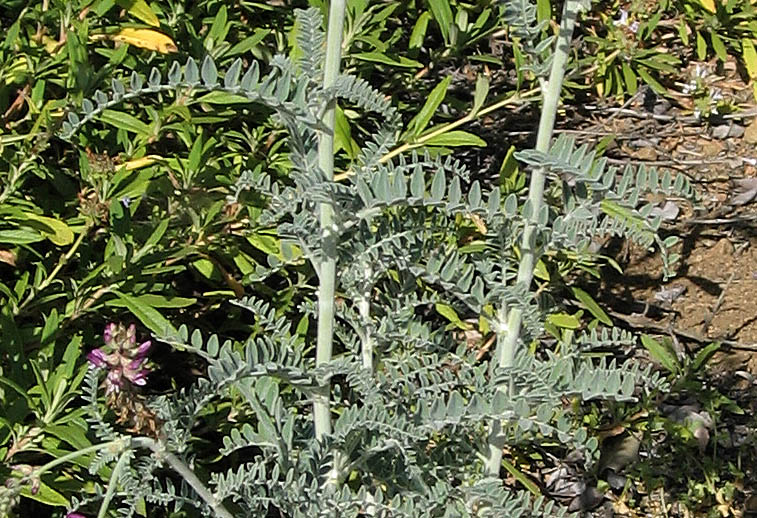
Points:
[75,515]
[121,357]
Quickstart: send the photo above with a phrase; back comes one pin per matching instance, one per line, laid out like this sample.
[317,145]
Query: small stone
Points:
[720,132]
[736,131]
[750,133]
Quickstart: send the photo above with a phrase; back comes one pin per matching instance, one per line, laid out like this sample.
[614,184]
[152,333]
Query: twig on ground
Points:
[718,303]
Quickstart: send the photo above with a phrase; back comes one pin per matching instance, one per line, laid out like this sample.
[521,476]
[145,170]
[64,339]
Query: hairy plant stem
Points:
[509,333]
[123,461]
[122,446]
[327,267]
[364,310]
[186,473]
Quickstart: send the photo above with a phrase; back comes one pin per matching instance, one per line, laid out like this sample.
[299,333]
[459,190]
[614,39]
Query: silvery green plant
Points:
[394,415]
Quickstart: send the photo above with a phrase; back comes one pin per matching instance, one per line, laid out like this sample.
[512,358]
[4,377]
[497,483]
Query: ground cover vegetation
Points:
[372,258]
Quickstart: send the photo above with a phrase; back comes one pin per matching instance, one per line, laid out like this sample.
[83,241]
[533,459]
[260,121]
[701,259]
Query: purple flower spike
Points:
[142,349]
[75,515]
[110,330]
[122,357]
[97,358]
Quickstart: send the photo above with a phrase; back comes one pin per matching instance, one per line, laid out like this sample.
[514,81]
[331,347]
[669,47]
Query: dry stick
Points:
[716,307]
[647,324]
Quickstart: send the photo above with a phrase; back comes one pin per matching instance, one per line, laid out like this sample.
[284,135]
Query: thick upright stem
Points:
[327,267]
[508,334]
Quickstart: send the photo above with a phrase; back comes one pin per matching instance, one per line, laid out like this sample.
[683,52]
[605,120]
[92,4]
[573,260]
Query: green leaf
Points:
[443,15]
[218,97]
[418,123]
[148,315]
[55,230]
[660,353]
[45,494]
[156,300]
[701,47]
[450,314]
[719,47]
[140,10]
[521,477]
[563,320]
[419,30]
[378,57]
[456,138]
[750,57]
[591,306]
[651,81]
[479,97]
[125,121]
[704,355]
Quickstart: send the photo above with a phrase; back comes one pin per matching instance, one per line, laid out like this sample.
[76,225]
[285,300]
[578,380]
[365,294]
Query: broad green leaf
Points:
[450,314]
[591,306]
[651,81]
[125,121]
[55,230]
[660,353]
[19,236]
[148,315]
[418,123]
[140,10]
[701,47]
[45,494]
[563,320]
[456,138]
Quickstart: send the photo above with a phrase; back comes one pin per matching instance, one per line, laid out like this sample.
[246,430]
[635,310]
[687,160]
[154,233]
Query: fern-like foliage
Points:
[410,430]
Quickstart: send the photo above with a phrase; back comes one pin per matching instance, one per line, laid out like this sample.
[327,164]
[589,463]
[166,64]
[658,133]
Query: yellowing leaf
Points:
[54,230]
[750,57]
[146,39]
[139,9]
[139,163]
[709,5]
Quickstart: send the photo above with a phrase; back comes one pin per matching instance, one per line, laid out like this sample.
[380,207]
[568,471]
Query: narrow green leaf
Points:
[479,97]
[591,306]
[148,315]
[456,138]
[443,15]
[125,121]
[435,98]
[419,30]
[660,353]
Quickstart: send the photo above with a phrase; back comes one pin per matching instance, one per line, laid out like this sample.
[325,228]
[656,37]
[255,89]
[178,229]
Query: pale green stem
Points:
[123,460]
[327,267]
[367,343]
[185,472]
[508,334]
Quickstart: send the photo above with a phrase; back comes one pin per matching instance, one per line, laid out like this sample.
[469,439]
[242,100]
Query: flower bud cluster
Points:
[121,357]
